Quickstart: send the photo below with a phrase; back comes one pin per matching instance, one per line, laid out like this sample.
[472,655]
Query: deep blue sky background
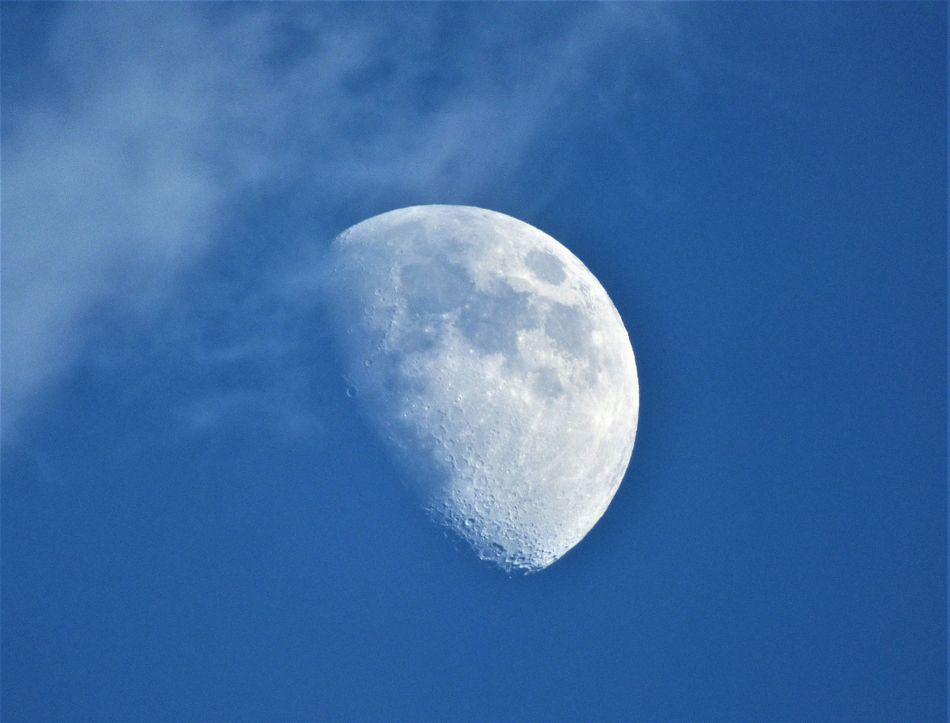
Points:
[196,526]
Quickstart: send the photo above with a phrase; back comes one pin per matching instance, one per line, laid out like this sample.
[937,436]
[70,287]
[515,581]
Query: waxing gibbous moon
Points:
[496,369]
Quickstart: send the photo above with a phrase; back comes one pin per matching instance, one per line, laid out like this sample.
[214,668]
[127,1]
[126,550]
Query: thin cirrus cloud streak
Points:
[121,176]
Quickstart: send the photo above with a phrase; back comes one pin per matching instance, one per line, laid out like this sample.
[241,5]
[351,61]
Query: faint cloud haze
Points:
[156,126]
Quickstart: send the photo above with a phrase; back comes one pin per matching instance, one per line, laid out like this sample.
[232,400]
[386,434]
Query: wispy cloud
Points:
[160,123]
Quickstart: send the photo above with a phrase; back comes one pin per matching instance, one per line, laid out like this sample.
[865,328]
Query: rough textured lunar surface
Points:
[495,367]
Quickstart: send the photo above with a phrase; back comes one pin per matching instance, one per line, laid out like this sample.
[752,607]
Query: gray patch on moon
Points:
[439,293]
[491,320]
[569,327]
[545,266]
[547,383]
[434,287]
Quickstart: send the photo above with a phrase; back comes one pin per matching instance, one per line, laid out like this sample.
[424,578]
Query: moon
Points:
[496,369]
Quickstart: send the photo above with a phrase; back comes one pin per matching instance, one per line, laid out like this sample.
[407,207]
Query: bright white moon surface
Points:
[496,369]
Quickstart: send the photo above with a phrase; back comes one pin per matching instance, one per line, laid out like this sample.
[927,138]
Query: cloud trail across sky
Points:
[156,129]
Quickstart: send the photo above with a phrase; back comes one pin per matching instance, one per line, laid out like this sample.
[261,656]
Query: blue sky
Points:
[196,526]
